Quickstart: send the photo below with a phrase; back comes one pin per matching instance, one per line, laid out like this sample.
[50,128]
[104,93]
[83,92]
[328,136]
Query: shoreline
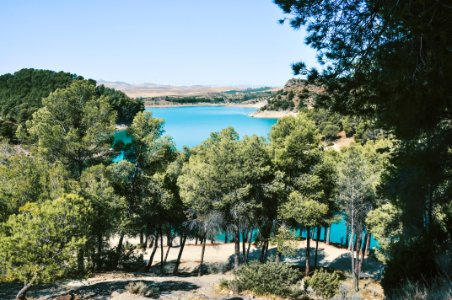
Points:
[272,114]
[249,105]
[267,114]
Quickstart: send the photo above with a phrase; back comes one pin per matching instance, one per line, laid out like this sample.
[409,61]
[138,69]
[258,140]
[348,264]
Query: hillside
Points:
[152,90]
[296,94]
[21,95]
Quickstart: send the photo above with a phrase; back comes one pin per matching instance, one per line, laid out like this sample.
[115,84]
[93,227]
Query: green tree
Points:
[142,180]
[21,94]
[384,224]
[75,127]
[107,207]
[389,61]
[29,178]
[307,212]
[357,184]
[40,243]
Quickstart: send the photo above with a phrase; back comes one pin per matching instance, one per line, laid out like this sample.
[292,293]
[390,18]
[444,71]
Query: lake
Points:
[191,125]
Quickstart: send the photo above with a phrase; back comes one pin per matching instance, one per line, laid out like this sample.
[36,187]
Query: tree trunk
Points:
[81,261]
[369,237]
[327,235]
[358,263]
[278,257]
[244,240]
[99,252]
[225,236]
[317,246]
[169,237]
[262,254]
[203,240]
[146,240]
[179,256]
[23,291]
[364,251]
[250,238]
[347,235]
[154,250]
[308,250]
[141,240]
[119,248]
[161,250]
[236,249]
[167,253]
[352,255]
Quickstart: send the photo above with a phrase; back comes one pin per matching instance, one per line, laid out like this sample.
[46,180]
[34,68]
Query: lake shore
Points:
[272,114]
[249,105]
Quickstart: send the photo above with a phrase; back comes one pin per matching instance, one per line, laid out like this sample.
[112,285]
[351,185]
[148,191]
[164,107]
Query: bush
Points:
[137,288]
[330,132]
[324,284]
[440,289]
[269,278]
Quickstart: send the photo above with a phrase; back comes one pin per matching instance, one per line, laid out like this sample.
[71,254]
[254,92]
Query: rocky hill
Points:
[296,94]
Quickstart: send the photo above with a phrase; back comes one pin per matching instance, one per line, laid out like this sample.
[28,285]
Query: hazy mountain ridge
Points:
[147,90]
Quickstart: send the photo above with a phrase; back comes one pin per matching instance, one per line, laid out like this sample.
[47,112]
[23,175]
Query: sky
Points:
[176,42]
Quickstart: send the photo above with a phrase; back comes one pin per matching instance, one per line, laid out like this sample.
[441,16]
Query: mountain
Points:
[148,90]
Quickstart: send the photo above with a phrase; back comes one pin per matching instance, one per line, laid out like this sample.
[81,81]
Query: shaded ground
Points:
[186,285]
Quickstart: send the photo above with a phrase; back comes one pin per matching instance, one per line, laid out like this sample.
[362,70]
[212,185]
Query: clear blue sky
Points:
[178,42]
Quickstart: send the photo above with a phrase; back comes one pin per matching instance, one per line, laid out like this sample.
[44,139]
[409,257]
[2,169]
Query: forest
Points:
[21,94]
[386,75]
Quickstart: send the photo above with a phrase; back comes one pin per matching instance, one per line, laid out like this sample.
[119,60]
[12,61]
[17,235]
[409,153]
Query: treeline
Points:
[194,100]
[234,96]
[63,199]
[21,94]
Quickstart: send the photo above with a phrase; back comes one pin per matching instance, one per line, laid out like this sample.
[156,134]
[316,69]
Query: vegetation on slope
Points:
[21,95]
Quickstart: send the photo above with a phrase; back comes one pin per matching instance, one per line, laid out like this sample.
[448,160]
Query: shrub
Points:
[269,278]
[440,289]
[325,284]
[137,288]
[330,132]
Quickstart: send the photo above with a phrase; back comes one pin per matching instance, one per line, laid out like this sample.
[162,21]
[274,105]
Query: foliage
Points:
[305,211]
[384,224]
[75,127]
[267,279]
[440,289]
[137,288]
[387,61]
[40,243]
[294,144]
[285,242]
[21,95]
[324,284]
[125,107]
[281,100]
[30,178]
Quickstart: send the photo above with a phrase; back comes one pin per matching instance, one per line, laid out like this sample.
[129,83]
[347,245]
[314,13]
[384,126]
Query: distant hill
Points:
[296,94]
[150,90]
[21,94]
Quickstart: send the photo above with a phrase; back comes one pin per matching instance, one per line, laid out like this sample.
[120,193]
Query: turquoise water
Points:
[190,125]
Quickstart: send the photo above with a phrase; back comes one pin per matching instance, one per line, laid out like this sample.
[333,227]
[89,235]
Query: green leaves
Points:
[75,127]
[304,210]
[40,243]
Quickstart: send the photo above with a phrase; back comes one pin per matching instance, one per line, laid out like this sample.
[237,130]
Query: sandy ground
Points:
[272,114]
[186,285]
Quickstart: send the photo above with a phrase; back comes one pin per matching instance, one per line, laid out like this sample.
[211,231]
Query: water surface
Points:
[191,125]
